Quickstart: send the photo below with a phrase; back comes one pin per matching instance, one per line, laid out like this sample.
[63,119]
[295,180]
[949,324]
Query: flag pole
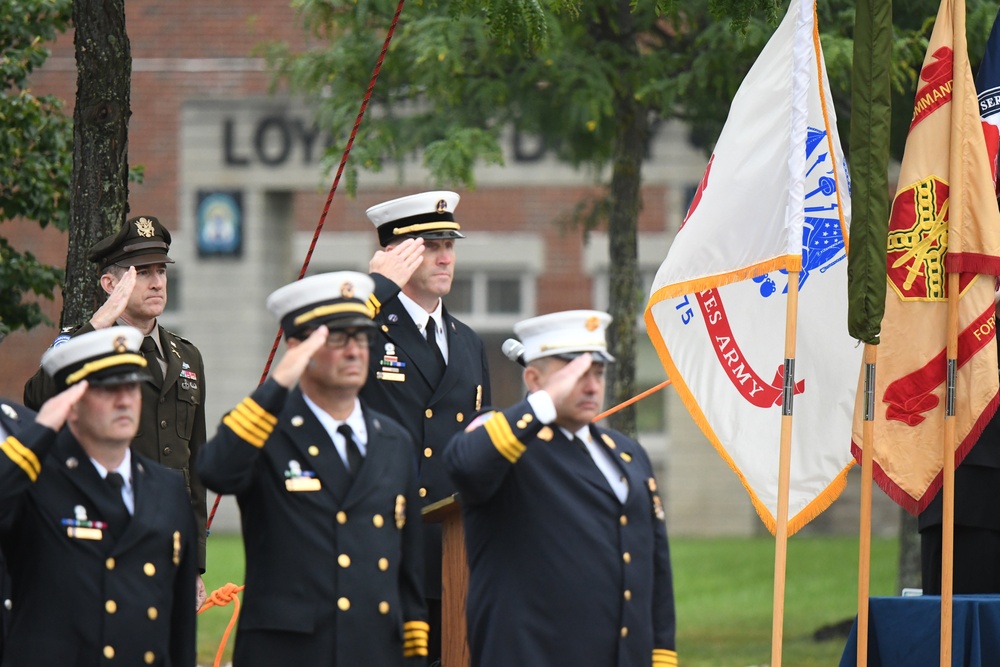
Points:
[784,470]
[865,532]
[956,216]
[948,473]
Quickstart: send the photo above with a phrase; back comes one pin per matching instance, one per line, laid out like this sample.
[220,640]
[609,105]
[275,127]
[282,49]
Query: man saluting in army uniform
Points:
[100,542]
[327,490]
[567,548]
[133,265]
[428,370]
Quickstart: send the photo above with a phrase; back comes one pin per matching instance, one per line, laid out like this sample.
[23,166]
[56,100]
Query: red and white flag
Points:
[774,199]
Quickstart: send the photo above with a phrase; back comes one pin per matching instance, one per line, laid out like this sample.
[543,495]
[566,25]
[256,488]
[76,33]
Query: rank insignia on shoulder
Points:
[400,513]
[545,434]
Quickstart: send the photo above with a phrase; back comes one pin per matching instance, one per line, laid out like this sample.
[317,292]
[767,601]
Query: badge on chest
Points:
[298,480]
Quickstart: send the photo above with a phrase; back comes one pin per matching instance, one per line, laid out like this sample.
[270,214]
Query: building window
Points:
[490,301]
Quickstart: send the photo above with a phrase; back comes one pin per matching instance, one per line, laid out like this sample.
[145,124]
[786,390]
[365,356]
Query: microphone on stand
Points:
[513,350]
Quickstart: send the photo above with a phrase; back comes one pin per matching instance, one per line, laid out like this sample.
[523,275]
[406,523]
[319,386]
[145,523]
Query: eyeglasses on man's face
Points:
[338,338]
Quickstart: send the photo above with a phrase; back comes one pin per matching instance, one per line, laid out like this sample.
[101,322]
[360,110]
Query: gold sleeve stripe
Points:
[252,424]
[503,437]
[22,456]
[238,429]
[415,639]
[664,658]
[374,304]
[251,406]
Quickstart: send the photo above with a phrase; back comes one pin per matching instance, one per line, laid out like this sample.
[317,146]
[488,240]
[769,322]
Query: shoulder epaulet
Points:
[177,336]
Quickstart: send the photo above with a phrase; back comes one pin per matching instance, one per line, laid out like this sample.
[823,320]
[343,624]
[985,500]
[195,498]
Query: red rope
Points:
[329,198]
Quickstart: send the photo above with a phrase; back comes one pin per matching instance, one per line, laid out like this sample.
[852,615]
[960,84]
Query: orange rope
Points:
[630,401]
[220,597]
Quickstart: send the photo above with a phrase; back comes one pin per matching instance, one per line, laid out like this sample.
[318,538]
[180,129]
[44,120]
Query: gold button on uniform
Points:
[459,417]
[109,652]
[149,657]
[343,604]
[521,424]
[627,557]
[624,632]
[423,492]
[344,560]
[378,520]
[110,563]
[149,569]
[152,613]
[383,607]
[429,413]
[341,517]
[623,520]
[428,452]
[628,595]
[383,564]
[313,450]
[111,606]
[528,417]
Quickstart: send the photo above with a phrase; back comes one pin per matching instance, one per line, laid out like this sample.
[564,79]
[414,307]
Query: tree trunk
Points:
[99,201]
[624,294]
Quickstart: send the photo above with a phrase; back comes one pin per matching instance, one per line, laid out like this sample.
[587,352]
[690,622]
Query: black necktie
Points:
[148,349]
[430,330]
[354,458]
[116,482]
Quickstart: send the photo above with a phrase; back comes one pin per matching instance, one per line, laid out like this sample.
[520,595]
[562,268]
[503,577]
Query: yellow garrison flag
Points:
[932,233]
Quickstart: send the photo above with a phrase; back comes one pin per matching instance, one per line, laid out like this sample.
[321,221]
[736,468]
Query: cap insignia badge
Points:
[144,227]
[592,323]
[347,290]
[119,345]
[442,206]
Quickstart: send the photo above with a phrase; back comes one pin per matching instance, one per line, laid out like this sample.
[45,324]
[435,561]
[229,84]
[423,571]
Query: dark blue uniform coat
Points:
[561,571]
[333,567]
[13,417]
[89,595]
[430,405]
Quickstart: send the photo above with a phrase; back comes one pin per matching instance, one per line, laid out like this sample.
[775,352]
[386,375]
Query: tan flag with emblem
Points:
[945,144]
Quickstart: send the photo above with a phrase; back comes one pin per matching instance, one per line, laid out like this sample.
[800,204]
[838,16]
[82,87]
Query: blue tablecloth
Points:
[906,632]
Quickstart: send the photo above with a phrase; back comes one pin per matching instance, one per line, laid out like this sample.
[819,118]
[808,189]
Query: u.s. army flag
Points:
[774,199]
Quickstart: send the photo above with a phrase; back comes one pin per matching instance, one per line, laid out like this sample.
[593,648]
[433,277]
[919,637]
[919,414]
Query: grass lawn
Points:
[723,588]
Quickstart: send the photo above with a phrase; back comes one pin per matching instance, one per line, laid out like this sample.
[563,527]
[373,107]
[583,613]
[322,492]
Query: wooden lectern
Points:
[454,580]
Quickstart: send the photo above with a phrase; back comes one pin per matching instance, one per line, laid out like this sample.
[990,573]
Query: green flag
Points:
[869,160]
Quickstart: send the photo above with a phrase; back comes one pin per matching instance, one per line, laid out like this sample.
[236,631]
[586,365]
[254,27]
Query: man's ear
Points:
[532,378]
[108,282]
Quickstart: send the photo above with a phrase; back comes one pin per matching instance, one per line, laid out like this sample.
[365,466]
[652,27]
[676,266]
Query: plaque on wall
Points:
[220,223]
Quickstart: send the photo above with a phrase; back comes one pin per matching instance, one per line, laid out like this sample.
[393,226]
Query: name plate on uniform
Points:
[303,484]
[81,533]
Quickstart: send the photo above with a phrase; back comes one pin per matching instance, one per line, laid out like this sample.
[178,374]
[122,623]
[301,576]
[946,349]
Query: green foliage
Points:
[35,154]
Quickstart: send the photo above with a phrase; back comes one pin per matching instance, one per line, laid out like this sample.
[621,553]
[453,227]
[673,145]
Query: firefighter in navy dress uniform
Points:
[172,429]
[327,489]
[434,384]
[13,418]
[100,542]
[568,556]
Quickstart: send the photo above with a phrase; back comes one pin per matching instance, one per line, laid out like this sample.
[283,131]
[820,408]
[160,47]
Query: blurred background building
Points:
[236,173]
